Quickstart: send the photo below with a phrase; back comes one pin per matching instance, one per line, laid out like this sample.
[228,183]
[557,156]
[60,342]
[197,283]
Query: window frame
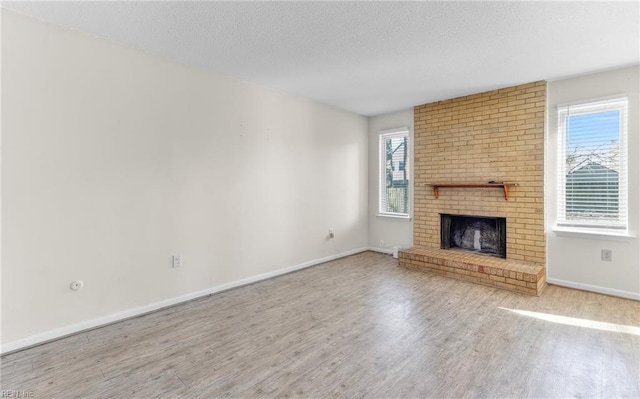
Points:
[591,106]
[382,178]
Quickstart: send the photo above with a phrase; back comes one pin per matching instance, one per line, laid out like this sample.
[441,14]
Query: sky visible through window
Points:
[583,128]
[593,137]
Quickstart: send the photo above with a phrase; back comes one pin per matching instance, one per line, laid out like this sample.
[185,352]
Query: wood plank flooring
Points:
[355,327]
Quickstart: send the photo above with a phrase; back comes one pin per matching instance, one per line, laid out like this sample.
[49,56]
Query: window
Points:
[592,164]
[394,173]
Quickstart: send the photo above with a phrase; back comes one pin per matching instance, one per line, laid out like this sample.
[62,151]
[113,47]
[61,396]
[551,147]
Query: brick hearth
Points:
[519,276]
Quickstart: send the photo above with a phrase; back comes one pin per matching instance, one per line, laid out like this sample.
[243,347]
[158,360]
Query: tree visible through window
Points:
[394,172]
[592,164]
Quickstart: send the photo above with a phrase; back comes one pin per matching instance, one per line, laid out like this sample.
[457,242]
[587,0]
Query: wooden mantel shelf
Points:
[504,185]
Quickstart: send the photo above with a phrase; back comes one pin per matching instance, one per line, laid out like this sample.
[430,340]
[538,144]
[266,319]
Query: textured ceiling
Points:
[369,57]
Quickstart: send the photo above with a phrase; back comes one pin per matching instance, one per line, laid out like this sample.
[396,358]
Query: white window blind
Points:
[394,172]
[592,164]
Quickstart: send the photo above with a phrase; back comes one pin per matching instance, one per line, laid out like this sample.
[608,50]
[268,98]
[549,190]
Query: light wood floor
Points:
[355,327]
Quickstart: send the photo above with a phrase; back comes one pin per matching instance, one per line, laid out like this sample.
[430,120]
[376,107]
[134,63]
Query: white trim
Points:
[401,216]
[61,332]
[395,130]
[382,135]
[394,251]
[595,288]
[592,100]
[381,250]
[591,106]
[594,234]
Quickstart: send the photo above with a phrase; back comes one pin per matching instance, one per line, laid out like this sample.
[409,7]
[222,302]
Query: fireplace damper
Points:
[481,234]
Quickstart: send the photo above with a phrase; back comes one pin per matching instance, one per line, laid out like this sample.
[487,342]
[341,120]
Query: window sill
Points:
[392,216]
[593,234]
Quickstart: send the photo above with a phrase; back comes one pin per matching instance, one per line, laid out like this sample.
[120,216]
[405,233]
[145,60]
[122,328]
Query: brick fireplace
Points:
[470,145]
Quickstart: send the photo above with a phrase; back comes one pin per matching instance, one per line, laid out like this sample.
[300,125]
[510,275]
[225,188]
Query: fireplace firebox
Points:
[480,234]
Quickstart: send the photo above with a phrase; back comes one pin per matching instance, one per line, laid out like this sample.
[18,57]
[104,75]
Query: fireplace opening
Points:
[480,234]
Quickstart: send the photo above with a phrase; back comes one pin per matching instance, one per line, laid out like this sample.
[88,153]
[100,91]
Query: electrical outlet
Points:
[176,261]
[331,233]
[381,243]
[606,255]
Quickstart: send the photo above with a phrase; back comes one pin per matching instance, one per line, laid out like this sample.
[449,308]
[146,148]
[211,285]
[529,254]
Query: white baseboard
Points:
[595,288]
[381,250]
[61,332]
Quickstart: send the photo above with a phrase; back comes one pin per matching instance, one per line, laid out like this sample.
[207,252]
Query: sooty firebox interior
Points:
[481,234]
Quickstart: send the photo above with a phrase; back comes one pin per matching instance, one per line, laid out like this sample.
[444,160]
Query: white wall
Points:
[393,231]
[574,260]
[113,160]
